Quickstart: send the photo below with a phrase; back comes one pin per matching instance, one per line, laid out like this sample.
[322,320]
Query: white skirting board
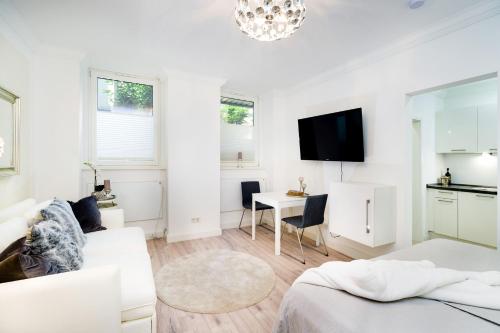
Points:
[172,238]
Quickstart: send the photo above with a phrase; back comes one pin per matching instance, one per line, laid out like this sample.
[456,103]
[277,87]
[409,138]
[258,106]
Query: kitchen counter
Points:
[465,188]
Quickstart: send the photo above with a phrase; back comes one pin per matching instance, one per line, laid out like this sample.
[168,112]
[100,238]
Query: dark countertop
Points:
[465,188]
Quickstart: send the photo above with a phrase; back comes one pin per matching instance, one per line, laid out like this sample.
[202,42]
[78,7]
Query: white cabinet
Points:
[365,213]
[487,128]
[456,131]
[477,218]
[463,215]
[445,215]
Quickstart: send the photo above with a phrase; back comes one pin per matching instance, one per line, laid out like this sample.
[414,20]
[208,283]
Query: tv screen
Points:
[332,137]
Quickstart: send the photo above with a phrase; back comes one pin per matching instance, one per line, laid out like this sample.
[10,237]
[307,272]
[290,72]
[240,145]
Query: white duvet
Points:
[391,280]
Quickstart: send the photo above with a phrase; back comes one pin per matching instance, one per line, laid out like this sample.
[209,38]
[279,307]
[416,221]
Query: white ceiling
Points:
[200,36]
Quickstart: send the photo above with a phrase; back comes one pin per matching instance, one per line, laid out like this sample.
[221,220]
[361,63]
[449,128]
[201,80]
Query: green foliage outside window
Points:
[128,94]
[237,115]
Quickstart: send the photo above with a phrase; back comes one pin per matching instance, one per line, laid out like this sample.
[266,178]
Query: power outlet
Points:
[195,220]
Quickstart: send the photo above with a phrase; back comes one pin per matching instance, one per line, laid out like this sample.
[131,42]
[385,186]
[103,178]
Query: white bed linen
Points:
[392,280]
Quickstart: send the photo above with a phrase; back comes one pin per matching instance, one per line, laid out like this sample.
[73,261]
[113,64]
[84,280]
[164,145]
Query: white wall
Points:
[193,161]
[16,77]
[57,125]
[380,88]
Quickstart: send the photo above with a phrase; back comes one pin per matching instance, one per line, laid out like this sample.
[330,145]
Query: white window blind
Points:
[238,132]
[125,120]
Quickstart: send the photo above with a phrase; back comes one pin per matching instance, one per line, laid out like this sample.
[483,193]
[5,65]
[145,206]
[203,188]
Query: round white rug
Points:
[215,281]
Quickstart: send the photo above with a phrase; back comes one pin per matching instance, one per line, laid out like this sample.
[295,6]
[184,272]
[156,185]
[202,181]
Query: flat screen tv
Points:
[332,137]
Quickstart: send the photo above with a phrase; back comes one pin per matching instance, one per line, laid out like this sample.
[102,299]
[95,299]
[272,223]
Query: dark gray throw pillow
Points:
[61,212]
[17,263]
[87,213]
[52,242]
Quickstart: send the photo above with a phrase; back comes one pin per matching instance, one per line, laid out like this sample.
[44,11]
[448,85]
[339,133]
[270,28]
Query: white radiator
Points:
[140,200]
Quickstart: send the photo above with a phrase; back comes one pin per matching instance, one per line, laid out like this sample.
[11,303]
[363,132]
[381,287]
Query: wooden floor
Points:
[257,318]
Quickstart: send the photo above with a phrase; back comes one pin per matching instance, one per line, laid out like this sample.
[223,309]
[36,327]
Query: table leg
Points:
[253,219]
[277,230]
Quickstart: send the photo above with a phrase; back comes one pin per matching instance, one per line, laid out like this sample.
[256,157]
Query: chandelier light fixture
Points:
[268,20]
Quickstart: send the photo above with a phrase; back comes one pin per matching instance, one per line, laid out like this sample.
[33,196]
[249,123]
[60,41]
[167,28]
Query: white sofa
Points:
[113,292]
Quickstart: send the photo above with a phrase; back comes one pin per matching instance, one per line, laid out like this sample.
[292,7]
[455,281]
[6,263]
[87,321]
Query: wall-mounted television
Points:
[333,137]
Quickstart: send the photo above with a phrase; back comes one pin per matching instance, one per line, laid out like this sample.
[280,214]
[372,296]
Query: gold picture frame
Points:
[10,108]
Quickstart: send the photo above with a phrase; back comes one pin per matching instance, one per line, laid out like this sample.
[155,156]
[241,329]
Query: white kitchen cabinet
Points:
[456,131]
[364,213]
[487,128]
[477,218]
[445,216]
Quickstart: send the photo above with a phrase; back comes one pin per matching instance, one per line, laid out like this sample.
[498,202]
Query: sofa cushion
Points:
[12,230]
[126,248]
[87,213]
[16,263]
[16,210]
[121,240]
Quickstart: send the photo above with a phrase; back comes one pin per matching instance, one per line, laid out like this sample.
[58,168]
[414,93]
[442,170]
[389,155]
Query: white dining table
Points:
[277,200]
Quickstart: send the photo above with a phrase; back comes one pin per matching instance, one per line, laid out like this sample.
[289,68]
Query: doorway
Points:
[417,227]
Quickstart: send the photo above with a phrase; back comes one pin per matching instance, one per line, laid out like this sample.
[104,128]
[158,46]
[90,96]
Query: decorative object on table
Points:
[301,180]
[91,165]
[216,281]
[448,174]
[268,20]
[293,193]
[107,188]
[240,159]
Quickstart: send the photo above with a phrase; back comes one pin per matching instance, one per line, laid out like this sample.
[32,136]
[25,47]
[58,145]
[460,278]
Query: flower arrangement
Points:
[94,169]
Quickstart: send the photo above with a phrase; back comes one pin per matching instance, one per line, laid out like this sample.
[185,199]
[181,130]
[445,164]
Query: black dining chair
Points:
[314,215]
[247,189]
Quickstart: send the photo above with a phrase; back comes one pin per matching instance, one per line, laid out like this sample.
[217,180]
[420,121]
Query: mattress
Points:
[314,309]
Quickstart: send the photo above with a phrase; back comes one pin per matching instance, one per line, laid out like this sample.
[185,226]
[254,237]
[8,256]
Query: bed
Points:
[314,309]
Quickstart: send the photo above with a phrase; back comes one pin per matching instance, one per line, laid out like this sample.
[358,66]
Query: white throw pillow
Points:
[11,230]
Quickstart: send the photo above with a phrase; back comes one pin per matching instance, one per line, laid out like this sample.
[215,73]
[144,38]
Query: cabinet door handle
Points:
[459,149]
[445,192]
[367,224]
[493,149]
[485,196]
[447,201]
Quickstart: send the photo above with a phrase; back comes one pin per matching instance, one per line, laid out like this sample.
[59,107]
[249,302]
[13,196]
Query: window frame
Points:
[256,123]
[124,162]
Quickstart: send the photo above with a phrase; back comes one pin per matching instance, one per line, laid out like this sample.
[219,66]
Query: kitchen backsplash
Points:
[471,168]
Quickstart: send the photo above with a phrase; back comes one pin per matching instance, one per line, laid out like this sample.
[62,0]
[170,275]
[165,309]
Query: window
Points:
[238,132]
[125,120]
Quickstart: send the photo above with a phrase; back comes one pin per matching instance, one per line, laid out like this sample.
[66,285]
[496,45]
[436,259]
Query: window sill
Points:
[125,167]
[243,168]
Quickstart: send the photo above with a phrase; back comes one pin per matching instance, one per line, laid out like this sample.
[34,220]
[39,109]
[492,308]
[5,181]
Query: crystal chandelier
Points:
[268,20]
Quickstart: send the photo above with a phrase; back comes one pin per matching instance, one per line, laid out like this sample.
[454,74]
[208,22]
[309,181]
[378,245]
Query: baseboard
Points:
[349,247]
[157,235]
[172,238]
[231,220]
